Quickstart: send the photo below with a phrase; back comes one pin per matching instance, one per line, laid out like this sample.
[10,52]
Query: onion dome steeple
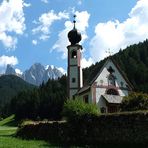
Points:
[74,36]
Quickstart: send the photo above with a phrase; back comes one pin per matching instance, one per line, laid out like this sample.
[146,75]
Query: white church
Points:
[106,90]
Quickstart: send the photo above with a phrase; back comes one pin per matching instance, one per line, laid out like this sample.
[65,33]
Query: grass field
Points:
[7,139]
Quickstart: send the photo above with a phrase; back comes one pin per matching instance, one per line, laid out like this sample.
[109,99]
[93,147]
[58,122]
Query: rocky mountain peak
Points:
[37,73]
[10,70]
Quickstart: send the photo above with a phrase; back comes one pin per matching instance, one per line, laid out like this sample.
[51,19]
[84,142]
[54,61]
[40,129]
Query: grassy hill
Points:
[133,61]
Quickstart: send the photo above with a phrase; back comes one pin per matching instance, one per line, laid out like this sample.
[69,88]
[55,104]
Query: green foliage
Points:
[74,109]
[25,104]
[134,102]
[46,102]
[10,85]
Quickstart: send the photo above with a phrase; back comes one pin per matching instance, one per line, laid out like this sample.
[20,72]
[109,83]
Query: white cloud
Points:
[27,4]
[44,1]
[44,37]
[116,35]
[18,71]
[45,21]
[82,24]
[4,60]
[7,40]
[34,42]
[86,63]
[12,21]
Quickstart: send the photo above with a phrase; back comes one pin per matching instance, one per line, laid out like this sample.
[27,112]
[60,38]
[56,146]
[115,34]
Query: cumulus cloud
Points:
[45,21]
[12,21]
[34,42]
[4,60]
[116,35]
[27,4]
[86,63]
[82,24]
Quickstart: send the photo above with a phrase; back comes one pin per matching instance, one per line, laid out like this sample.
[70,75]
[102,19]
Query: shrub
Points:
[134,102]
[74,109]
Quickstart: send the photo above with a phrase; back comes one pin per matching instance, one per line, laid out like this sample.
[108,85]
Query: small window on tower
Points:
[74,54]
[73,80]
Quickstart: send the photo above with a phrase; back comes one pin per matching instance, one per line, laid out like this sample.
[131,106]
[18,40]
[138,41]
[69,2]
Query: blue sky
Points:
[36,30]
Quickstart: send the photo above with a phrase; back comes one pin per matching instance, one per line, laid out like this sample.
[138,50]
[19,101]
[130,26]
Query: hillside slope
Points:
[10,85]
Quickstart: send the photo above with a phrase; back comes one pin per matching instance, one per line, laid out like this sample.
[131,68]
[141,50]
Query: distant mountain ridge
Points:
[36,74]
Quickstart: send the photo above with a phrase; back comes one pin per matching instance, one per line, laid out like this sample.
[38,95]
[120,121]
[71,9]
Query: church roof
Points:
[83,89]
[113,99]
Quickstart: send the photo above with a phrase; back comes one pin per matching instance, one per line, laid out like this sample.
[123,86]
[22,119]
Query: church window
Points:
[74,54]
[103,110]
[111,80]
[112,92]
[85,98]
[73,80]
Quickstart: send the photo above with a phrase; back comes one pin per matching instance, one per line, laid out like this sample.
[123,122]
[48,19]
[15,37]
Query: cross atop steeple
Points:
[74,21]
[109,52]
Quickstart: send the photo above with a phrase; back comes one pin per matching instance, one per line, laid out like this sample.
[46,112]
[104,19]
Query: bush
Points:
[134,102]
[74,109]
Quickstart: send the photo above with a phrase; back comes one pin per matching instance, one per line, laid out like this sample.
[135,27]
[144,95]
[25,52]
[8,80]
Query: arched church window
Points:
[103,110]
[112,92]
[111,77]
[111,80]
[74,54]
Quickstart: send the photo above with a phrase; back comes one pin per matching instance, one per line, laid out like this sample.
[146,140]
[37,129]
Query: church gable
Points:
[111,76]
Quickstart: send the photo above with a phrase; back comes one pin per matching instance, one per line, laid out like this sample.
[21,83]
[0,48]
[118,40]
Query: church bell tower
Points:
[75,80]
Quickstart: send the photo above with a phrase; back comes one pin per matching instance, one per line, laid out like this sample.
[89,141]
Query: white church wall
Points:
[99,101]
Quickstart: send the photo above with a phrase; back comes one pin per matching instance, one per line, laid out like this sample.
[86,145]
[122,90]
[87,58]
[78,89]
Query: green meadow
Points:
[8,129]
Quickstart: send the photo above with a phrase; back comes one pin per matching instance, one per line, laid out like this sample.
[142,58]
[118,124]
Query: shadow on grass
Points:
[103,145]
